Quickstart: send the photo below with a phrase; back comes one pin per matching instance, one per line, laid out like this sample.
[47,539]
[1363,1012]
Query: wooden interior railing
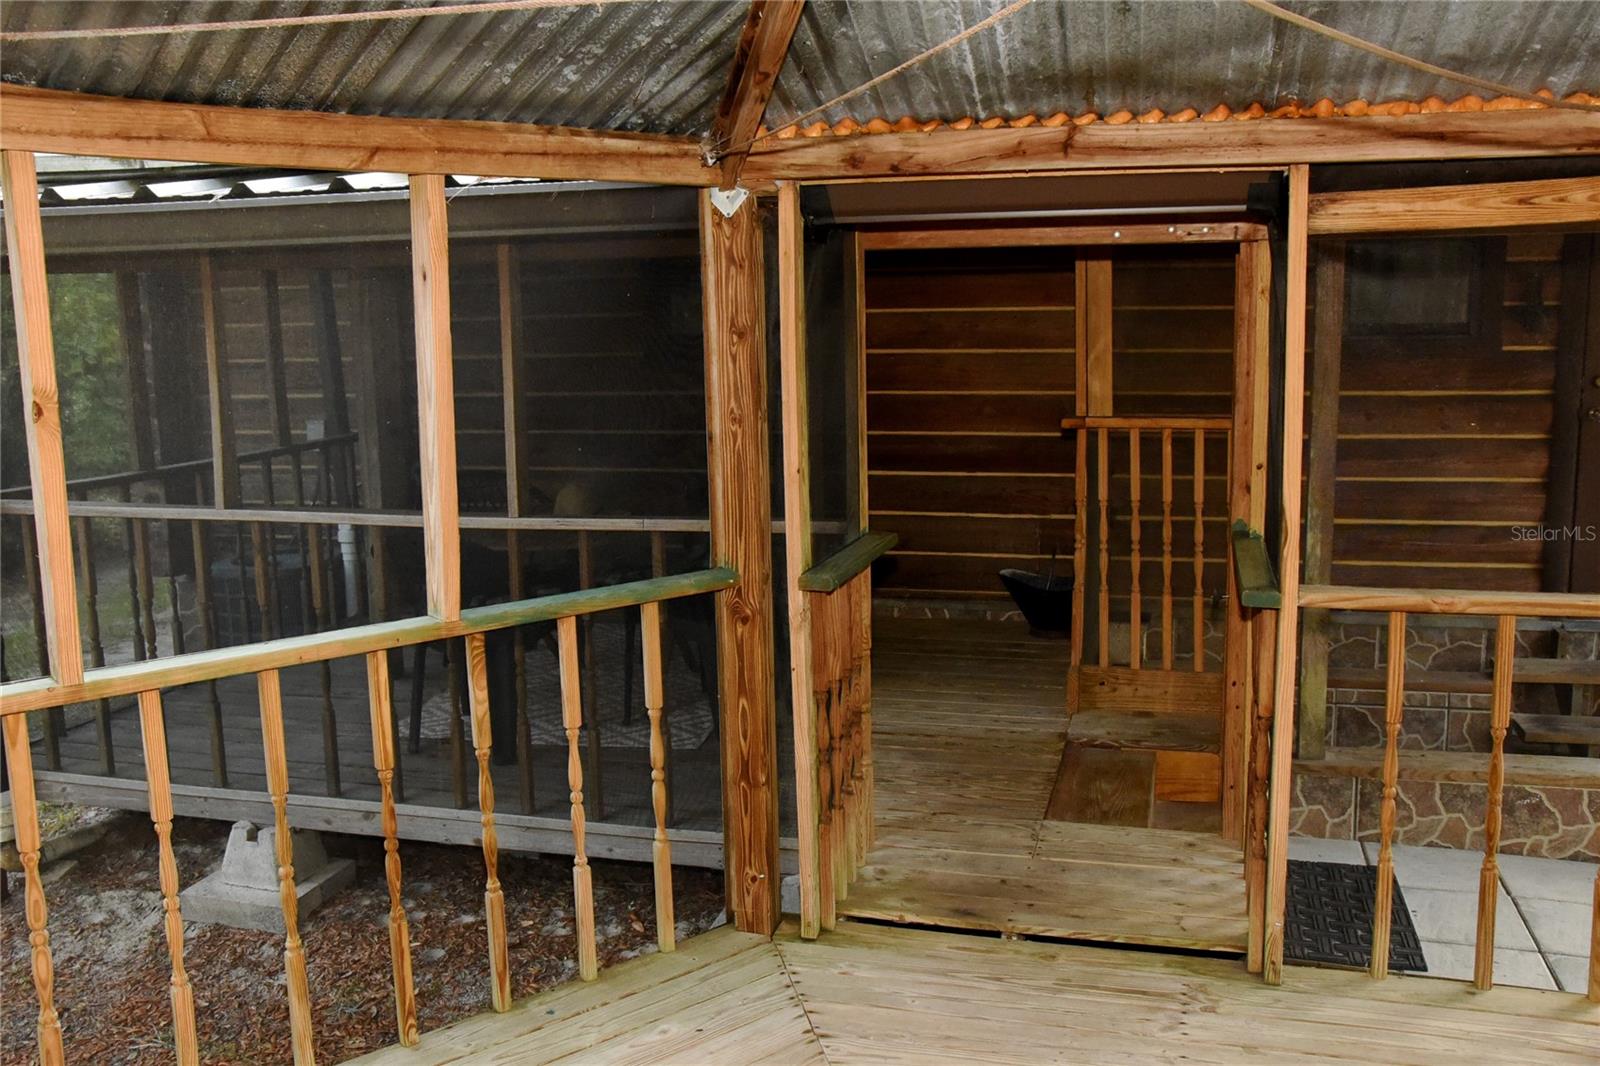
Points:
[146,680]
[839,594]
[1506,608]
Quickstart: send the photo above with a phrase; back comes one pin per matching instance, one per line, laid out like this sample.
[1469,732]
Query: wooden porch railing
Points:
[839,591]
[146,680]
[1399,604]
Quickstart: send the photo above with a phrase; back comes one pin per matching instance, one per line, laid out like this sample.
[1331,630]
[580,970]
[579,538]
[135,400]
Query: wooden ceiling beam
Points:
[763,46]
[46,120]
[1100,145]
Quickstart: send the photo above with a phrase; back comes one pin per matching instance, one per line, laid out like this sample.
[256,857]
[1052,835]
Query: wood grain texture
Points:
[219,391]
[1449,601]
[752,75]
[82,124]
[1493,205]
[436,410]
[739,476]
[1394,709]
[660,846]
[1014,236]
[571,723]
[25,816]
[494,902]
[302,1039]
[41,414]
[380,695]
[1505,650]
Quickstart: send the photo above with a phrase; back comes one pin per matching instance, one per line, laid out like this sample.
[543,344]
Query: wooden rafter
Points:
[762,48]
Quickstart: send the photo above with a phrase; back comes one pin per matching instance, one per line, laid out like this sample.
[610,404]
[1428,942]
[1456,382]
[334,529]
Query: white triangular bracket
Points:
[728,200]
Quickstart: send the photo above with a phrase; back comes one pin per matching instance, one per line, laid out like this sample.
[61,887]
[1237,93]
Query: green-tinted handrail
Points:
[836,570]
[1252,569]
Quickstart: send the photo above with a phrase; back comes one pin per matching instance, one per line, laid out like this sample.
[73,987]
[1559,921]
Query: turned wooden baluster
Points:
[1199,549]
[572,722]
[1505,650]
[654,698]
[494,901]
[1135,471]
[1104,490]
[1166,549]
[97,650]
[153,731]
[294,958]
[25,816]
[658,568]
[1394,703]
[380,702]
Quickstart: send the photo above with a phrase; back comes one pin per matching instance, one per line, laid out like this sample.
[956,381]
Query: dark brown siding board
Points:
[1433,502]
[1002,536]
[960,330]
[953,453]
[1007,288]
[1166,329]
[1422,543]
[935,370]
[1473,460]
[979,412]
[1445,416]
[960,494]
[1456,370]
[1481,578]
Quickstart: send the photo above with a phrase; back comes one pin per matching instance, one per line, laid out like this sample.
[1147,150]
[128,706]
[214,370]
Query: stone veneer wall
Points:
[1542,821]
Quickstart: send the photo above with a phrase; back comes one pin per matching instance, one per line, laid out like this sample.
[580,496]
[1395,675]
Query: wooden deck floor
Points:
[867,993]
[968,728]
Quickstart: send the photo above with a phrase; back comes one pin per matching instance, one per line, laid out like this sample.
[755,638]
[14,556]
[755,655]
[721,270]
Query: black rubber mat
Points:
[1328,918]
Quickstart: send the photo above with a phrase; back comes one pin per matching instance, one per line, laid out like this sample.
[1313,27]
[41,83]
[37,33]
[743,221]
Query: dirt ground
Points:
[112,968]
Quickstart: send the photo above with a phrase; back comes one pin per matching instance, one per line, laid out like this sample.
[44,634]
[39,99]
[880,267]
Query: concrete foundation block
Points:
[243,891]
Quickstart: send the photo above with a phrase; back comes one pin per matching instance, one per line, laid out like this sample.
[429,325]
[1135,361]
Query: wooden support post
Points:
[514,416]
[797,556]
[494,901]
[1103,493]
[571,722]
[1167,643]
[1394,708]
[1294,378]
[294,958]
[1080,547]
[1199,483]
[436,398]
[741,538]
[1247,491]
[153,730]
[1505,650]
[1263,637]
[1135,607]
[25,816]
[1321,458]
[654,699]
[380,702]
[41,415]
[224,461]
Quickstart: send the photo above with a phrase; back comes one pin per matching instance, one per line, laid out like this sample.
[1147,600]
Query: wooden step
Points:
[1145,731]
[1469,767]
[1557,728]
[1122,688]
[1556,671]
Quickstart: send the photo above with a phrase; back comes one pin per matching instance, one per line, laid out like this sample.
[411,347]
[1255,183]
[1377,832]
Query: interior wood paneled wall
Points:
[1444,450]
[970,369]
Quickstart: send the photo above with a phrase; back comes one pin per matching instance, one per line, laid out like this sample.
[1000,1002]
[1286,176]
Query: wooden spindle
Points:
[1394,704]
[153,731]
[1135,470]
[97,650]
[494,901]
[1080,538]
[25,819]
[654,699]
[572,722]
[1166,550]
[1199,549]
[208,635]
[658,568]
[380,702]
[301,1038]
[1505,650]
[1104,490]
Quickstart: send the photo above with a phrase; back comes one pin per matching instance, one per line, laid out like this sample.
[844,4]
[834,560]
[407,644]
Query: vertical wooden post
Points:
[1135,606]
[654,698]
[1263,633]
[158,780]
[1394,708]
[741,538]
[1294,381]
[1103,492]
[856,290]
[571,722]
[494,901]
[208,635]
[41,414]
[294,958]
[1247,487]
[1199,484]
[508,277]
[224,461]
[436,396]
[1321,455]
[25,815]
[797,551]
[380,702]
[1505,650]
[1167,643]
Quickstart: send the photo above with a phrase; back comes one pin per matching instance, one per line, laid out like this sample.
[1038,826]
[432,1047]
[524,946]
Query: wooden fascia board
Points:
[1494,205]
[46,120]
[1263,142]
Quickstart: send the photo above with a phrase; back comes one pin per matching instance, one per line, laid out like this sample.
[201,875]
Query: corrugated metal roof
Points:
[661,66]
